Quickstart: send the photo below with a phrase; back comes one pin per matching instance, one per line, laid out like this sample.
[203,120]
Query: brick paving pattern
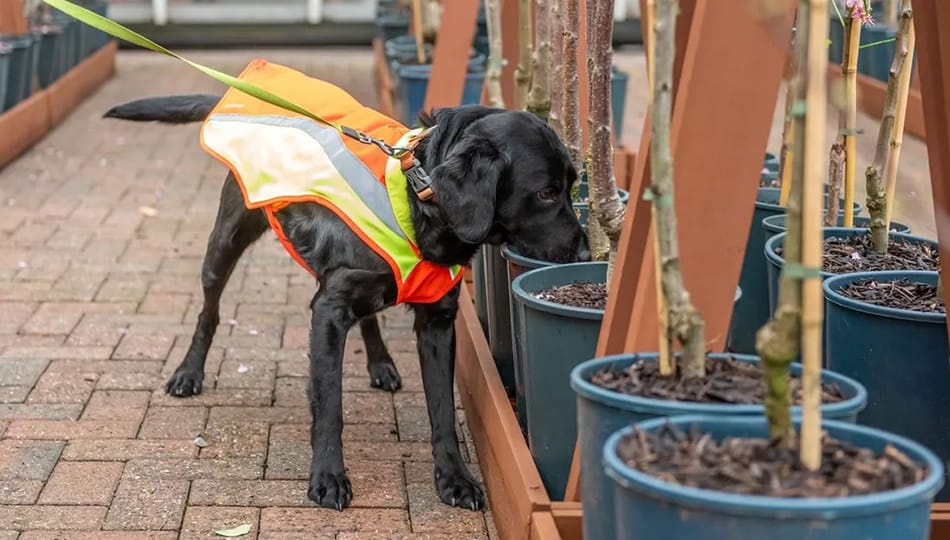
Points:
[98,299]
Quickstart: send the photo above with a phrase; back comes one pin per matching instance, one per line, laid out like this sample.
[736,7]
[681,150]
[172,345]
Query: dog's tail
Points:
[179,109]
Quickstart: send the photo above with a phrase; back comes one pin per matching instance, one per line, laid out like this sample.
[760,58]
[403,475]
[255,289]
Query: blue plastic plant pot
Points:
[391,25]
[583,208]
[776,224]
[776,262]
[770,162]
[20,68]
[554,339]
[51,48]
[601,412]
[618,97]
[753,311]
[649,508]
[497,300]
[766,177]
[100,37]
[5,54]
[836,37]
[413,84]
[518,264]
[478,286]
[899,355]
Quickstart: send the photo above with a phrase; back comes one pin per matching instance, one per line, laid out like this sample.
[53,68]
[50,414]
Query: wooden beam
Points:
[450,54]
[12,20]
[933,53]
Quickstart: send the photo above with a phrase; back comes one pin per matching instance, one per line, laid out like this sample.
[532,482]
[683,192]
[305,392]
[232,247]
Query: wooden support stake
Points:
[450,54]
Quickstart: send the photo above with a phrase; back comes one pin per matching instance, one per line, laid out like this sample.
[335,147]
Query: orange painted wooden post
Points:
[933,53]
[12,20]
[450,55]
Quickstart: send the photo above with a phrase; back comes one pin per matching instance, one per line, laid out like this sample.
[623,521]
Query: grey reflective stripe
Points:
[367,187]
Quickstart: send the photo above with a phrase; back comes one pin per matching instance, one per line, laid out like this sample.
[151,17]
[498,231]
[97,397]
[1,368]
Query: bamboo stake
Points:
[418,30]
[890,12]
[686,322]
[539,97]
[850,71]
[788,128]
[777,342]
[812,238]
[667,367]
[495,62]
[876,192]
[523,71]
[898,137]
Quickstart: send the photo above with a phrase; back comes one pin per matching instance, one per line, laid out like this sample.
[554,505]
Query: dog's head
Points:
[504,176]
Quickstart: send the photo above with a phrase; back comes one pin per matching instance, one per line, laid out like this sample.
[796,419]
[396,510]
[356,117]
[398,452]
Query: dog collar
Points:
[416,175]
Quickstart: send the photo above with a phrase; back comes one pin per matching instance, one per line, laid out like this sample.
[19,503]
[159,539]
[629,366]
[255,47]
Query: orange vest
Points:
[280,157]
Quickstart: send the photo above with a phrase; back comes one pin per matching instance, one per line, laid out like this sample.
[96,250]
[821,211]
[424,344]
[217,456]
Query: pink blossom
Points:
[859,12]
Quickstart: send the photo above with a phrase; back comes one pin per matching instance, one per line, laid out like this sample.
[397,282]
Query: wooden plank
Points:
[543,527]
[720,129]
[12,20]
[511,479]
[22,126]
[933,50]
[871,100]
[383,80]
[450,54]
[940,521]
[569,519]
[80,82]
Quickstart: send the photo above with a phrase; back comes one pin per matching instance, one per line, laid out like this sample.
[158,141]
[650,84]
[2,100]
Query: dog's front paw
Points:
[458,488]
[384,375]
[184,383]
[330,490]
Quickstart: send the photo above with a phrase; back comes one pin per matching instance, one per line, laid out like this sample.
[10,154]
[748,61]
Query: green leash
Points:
[116,30]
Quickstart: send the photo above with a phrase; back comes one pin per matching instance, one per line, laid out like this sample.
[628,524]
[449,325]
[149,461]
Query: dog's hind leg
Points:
[382,370]
[234,230]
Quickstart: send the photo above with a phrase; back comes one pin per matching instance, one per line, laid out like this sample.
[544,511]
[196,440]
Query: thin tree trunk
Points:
[571,104]
[523,71]
[835,180]
[898,138]
[493,69]
[876,186]
[601,180]
[777,343]
[686,322]
[539,97]
[555,118]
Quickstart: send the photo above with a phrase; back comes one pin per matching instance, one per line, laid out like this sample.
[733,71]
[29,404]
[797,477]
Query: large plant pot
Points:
[899,355]
[753,311]
[836,38]
[5,54]
[414,80]
[478,287]
[770,162]
[498,314]
[52,50]
[618,98]
[518,264]
[776,224]
[583,208]
[392,24]
[776,262]
[20,70]
[601,412]
[554,339]
[649,508]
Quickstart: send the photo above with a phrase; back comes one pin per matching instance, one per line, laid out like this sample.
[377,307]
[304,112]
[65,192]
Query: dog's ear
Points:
[465,185]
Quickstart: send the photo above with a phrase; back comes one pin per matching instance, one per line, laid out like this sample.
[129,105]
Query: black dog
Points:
[500,176]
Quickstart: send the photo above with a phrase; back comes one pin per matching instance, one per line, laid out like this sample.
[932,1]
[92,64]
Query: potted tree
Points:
[782,476]
[616,390]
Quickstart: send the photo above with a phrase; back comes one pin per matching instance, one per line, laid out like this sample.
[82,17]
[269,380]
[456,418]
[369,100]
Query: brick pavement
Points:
[97,306]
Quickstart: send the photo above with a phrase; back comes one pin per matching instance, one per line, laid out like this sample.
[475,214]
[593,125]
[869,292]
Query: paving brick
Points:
[429,514]
[63,387]
[116,405]
[28,460]
[58,353]
[58,518]
[13,394]
[191,469]
[96,333]
[88,482]
[122,288]
[249,493]
[143,347]
[165,304]
[147,504]
[19,491]
[234,398]
[124,450]
[376,520]
[130,381]
[273,415]
[413,424]
[9,535]
[246,374]
[14,315]
[103,367]
[236,439]
[69,430]
[285,535]
[173,423]
[21,371]
[98,535]
[44,411]
[201,521]
[414,536]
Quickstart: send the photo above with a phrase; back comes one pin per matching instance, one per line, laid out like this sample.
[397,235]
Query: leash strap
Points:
[420,180]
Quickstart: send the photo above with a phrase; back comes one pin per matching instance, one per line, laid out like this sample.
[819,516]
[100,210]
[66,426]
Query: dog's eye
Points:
[547,194]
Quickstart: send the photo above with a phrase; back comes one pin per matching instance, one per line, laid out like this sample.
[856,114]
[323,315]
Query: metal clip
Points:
[418,177]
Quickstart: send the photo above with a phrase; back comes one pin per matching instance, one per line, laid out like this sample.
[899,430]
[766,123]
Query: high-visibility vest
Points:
[280,157]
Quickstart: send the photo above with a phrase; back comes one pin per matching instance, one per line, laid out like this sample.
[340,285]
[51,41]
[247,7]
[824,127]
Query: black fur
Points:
[499,176]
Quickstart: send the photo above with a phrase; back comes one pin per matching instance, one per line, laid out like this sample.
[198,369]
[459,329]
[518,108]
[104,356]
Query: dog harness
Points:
[280,158]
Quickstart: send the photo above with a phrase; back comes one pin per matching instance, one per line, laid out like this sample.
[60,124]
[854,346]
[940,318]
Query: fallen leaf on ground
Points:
[240,530]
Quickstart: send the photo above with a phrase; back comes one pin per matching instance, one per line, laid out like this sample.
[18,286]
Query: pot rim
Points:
[777,208]
[510,253]
[770,223]
[832,285]
[668,407]
[529,300]
[787,507]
